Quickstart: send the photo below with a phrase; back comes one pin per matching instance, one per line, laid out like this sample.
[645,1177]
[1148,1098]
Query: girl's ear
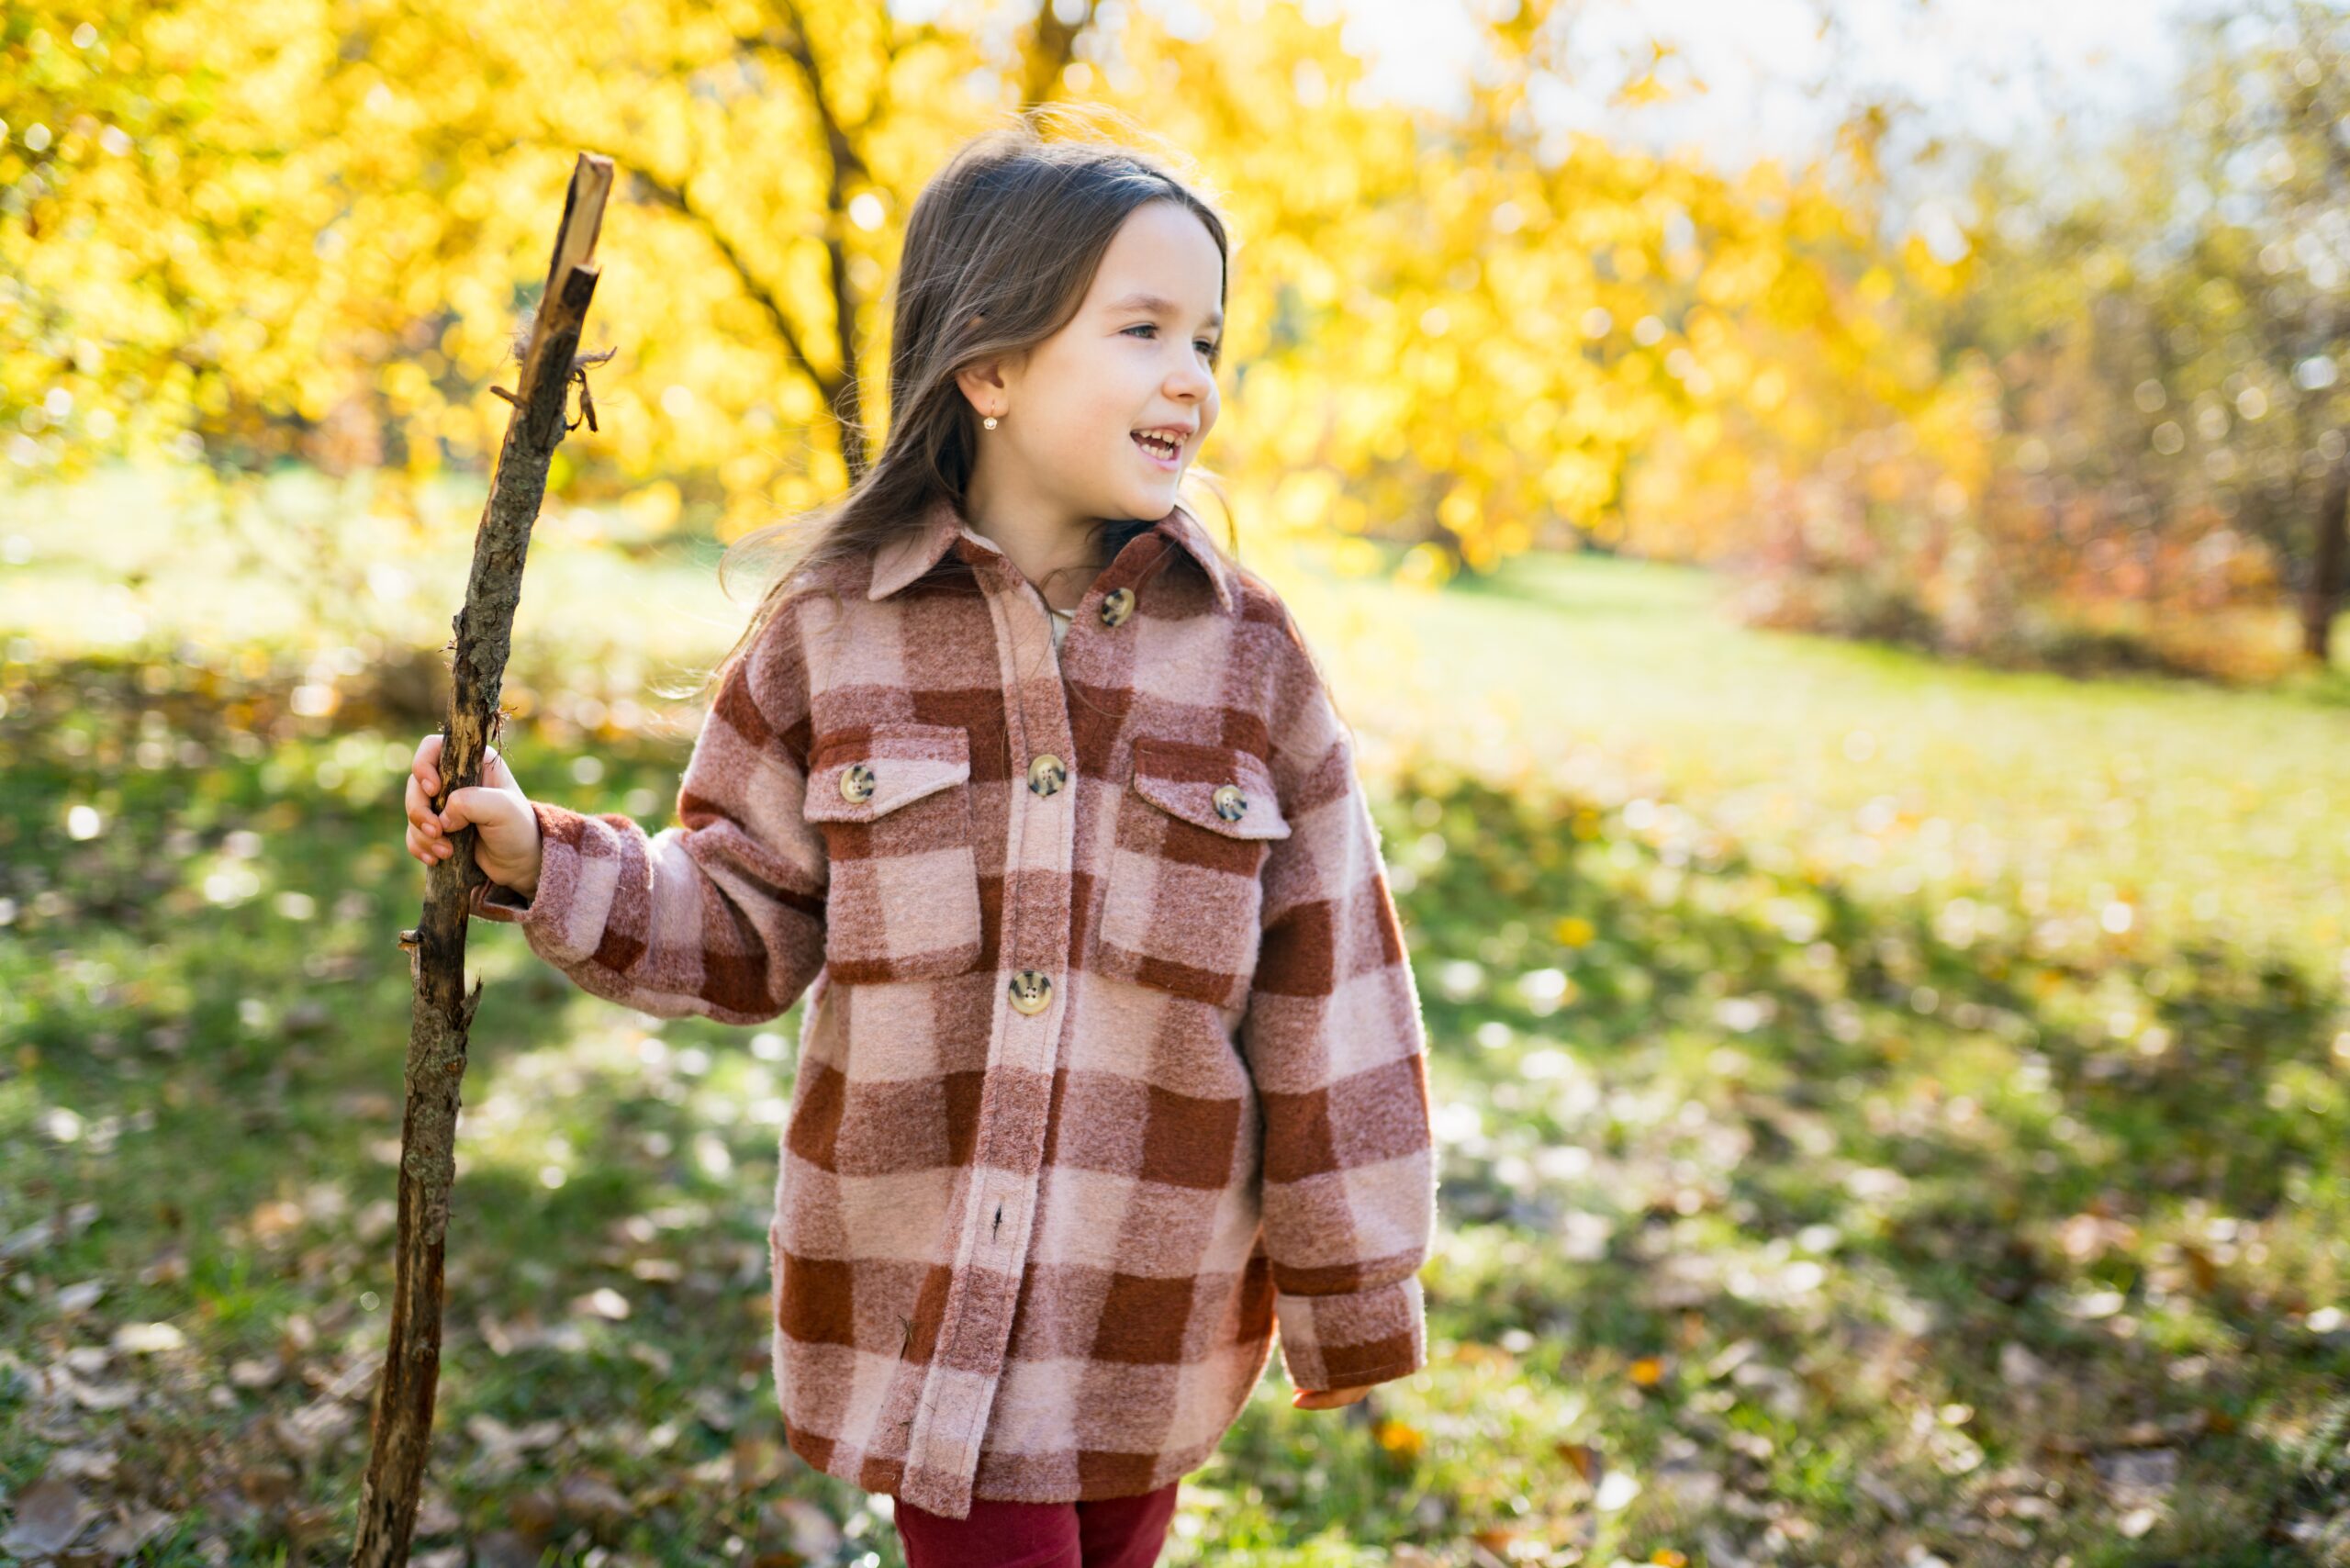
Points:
[986,383]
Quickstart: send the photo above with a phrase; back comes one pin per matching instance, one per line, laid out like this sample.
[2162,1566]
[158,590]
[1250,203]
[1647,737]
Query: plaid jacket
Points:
[1113,1061]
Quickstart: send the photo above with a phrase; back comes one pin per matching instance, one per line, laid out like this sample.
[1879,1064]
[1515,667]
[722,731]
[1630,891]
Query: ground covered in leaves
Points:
[1783,1222]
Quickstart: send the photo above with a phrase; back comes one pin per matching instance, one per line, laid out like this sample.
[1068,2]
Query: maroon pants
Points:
[1106,1532]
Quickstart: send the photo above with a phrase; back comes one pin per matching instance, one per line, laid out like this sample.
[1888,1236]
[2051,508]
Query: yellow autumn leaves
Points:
[312,240]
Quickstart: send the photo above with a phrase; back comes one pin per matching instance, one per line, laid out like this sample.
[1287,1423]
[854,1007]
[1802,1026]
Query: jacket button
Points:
[1230,802]
[1047,773]
[1116,605]
[1032,991]
[857,783]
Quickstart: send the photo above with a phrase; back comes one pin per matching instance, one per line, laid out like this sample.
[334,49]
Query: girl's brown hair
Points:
[1000,250]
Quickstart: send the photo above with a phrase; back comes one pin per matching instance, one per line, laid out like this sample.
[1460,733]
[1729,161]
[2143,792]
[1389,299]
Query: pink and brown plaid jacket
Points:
[1113,1061]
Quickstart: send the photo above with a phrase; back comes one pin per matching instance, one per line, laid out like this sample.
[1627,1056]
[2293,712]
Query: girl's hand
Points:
[506,830]
[1325,1399]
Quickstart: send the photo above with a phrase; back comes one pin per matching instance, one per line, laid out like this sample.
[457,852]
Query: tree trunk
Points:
[2325,596]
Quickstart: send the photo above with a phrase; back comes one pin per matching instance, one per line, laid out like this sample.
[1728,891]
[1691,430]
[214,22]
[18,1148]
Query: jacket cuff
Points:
[1353,1339]
[558,876]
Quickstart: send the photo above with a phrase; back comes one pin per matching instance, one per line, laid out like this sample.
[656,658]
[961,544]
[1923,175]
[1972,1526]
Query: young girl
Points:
[1113,1062]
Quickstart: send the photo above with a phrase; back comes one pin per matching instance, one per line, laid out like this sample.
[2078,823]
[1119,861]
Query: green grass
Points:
[2106,814]
[2205,811]
[1795,1208]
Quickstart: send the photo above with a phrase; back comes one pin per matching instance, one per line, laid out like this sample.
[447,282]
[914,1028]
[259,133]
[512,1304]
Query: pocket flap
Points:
[1182,778]
[899,763]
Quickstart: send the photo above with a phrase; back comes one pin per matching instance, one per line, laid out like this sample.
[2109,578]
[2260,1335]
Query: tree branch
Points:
[674,197]
[1050,50]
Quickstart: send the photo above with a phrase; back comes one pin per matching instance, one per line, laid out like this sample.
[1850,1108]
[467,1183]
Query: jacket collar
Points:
[908,557]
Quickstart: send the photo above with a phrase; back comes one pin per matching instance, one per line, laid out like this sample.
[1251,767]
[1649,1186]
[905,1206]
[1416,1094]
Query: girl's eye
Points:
[1201,343]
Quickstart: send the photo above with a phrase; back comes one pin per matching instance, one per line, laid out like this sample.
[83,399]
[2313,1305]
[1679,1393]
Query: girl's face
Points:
[1139,355]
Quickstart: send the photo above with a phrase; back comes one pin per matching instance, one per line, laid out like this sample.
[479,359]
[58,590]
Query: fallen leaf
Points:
[533,1515]
[593,1499]
[812,1533]
[1880,1492]
[252,1372]
[715,1408]
[43,1232]
[603,1302]
[82,1464]
[72,1300]
[435,1515]
[133,1525]
[2018,1368]
[2158,1434]
[168,1267]
[49,1515]
[267,1485]
[146,1339]
[500,1441]
[311,1430]
[755,1459]
[101,1397]
[2138,1476]
[505,1548]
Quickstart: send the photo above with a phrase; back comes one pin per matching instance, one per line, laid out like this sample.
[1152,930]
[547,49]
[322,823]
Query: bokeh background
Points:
[1826,515]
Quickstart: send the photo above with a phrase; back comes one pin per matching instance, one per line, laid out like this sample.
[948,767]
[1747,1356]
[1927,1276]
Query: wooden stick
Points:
[442,1014]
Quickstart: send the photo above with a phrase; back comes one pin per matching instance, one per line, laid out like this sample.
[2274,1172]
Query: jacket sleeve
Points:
[1333,1041]
[722,917]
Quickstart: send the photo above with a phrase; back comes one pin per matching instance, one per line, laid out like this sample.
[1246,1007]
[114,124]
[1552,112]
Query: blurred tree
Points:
[306,239]
[1472,333]
[301,238]
[2274,114]
[2133,433]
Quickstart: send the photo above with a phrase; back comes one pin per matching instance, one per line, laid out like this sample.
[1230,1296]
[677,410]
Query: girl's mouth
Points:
[1163,451]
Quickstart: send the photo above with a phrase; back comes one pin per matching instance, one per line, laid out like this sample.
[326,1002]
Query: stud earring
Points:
[988,421]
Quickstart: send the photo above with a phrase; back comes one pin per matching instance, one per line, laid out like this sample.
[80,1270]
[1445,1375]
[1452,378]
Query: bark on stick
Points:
[442,1013]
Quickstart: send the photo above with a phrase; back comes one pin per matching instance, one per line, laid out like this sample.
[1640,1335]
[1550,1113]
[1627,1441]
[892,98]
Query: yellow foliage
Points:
[247,228]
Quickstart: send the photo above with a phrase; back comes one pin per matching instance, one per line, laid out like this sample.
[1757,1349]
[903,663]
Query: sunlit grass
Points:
[2104,815]
[2110,814]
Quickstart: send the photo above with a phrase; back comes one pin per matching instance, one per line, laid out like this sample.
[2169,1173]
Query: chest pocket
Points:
[1182,891]
[893,801]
